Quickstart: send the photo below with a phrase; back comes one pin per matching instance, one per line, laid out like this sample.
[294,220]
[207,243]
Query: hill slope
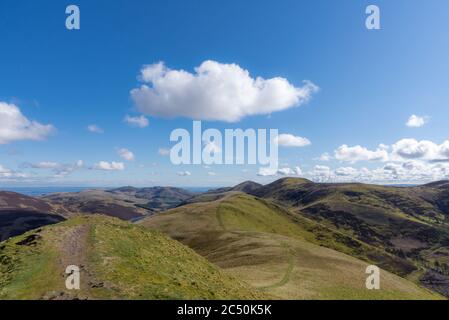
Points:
[263,245]
[409,222]
[20,213]
[118,260]
[157,198]
[119,205]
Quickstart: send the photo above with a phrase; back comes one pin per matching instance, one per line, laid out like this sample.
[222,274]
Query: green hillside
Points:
[411,223]
[277,252]
[118,260]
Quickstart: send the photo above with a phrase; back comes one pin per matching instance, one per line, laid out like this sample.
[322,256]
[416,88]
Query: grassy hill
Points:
[20,213]
[119,205]
[278,252]
[118,260]
[409,222]
[156,198]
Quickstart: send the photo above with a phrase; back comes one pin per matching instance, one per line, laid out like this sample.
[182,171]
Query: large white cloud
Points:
[215,91]
[359,153]
[424,149]
[404,149]
[15,126]
[289,140]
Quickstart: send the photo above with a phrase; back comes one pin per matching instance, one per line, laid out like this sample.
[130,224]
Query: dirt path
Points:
[73,251]
[73,246]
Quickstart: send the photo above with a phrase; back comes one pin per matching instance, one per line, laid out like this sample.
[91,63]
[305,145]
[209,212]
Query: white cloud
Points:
[346,172]
[94,128]
[164,152]
[359,153]
[297,171]
[266,171]
[289,140]
[216,91]
[404,149]
[211,173]
[286,171]
[325,157]
[416,121]
[64,170]
[5,172]
[126,154]
[109,166]
[140,122]
[424,149]
[15,126]
[394,172]
[184,173]
[10,175]
[45,165]
[321,173]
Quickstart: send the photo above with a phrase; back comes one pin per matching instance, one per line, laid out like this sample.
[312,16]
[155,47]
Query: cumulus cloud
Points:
[15,126]
[126,154]
[424,149]
[215,91]
[416,121]
[109,166]
[64,170]
[7,174]
[289,140]
[286,171]
[324,157]
[184,173]
[359,153]
[140,121]
[404,149]
[94,128]
[393,172]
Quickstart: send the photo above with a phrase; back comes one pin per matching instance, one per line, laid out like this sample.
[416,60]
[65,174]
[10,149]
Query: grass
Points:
[263,245]
[118,260]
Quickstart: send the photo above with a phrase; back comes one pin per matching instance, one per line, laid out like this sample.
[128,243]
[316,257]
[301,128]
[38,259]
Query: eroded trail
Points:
[73,251]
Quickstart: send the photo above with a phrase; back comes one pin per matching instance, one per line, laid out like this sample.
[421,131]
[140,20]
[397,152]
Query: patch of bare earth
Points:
[73,251]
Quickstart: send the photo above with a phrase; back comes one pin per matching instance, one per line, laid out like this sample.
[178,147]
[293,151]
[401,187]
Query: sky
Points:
[96,106]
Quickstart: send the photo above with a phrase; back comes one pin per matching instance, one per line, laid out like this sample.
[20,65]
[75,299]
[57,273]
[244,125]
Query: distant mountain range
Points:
[291,239]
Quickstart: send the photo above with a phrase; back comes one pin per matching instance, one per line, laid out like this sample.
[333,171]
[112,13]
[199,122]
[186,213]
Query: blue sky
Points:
[370,83]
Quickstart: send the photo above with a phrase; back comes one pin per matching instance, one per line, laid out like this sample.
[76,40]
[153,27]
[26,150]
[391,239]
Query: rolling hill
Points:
[126,203]
[408,222]
[156,198]
[119,205]
[278,252]
[20,213]
[118,260]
